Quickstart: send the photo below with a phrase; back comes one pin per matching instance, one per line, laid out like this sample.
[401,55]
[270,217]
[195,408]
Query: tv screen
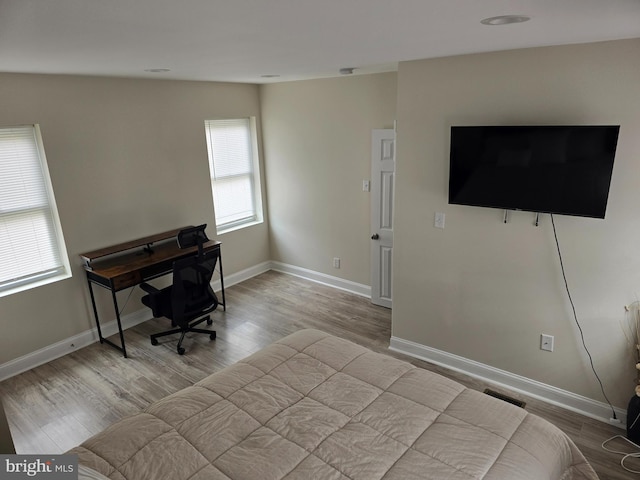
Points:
[547,169]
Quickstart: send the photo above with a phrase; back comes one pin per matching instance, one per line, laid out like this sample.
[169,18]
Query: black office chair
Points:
[190,299]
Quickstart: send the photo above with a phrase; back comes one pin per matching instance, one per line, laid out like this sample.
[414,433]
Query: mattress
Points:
[315,406]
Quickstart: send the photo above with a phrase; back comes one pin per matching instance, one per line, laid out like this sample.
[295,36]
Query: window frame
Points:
[257,216]
[63,269]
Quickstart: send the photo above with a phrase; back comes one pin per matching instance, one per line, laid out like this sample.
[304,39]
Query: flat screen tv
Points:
[546,169]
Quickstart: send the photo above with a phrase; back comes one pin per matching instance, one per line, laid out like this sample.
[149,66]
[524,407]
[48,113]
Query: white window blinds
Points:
[31,245]
[234,172]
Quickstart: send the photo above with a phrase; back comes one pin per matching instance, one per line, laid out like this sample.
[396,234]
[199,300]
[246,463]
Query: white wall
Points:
[485,290]
[127,158]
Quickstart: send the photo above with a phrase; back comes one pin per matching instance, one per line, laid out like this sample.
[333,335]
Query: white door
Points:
[383,165]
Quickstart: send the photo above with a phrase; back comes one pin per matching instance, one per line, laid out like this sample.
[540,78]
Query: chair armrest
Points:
[152,300]
[150,289]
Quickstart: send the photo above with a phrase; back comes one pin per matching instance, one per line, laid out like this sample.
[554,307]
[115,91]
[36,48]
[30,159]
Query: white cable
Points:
[626,455]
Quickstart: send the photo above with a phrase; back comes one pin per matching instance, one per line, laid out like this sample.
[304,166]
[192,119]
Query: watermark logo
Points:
[49,467]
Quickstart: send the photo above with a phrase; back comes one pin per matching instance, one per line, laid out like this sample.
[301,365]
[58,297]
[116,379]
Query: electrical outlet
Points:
[438,220]
[336,262]
[546,342]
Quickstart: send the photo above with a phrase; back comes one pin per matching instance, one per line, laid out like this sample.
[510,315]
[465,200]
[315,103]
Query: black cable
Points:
[575,317]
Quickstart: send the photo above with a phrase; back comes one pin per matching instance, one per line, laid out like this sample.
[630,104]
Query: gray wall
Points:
[127,158]
[317,142]
[485,290]
[479,288]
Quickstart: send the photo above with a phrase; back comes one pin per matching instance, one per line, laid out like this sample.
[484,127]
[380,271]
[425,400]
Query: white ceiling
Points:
[241,40]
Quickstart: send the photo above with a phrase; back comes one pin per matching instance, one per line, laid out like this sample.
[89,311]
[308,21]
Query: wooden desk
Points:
[128,264]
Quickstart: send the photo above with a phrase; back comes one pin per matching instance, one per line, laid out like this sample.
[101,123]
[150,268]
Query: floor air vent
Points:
[493,393]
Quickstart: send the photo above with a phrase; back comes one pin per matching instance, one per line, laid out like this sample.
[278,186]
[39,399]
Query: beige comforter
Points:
[317,407]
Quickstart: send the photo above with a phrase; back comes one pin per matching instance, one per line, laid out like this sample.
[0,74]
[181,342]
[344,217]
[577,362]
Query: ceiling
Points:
[244,40]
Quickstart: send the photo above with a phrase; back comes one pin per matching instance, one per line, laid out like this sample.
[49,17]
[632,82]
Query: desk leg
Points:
[115,306]
[95,311]
[224,303]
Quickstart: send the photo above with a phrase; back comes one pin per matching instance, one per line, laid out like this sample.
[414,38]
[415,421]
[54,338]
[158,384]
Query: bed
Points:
[315,406]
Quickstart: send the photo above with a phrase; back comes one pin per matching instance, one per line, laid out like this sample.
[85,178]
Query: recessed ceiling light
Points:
[346,70]
[505,20]
[270,75]
[157,70]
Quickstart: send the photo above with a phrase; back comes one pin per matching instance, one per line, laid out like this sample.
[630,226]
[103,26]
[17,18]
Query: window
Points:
[32,250]
[235,172]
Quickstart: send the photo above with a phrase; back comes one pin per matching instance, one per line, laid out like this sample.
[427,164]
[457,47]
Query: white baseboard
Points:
[61,348]
[56,350]
[547,393]
[241,276]
[556,396]
[335,282]
[322,278]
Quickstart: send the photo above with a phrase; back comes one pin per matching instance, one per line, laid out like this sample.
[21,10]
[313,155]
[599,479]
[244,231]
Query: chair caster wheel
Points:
[213,336]
[154,341]
[209,321]
[180,351]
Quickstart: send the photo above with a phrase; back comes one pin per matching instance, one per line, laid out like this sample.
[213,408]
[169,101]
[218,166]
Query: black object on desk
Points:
[128,264]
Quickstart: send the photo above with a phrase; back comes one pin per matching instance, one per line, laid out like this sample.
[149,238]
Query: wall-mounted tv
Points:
[547,169]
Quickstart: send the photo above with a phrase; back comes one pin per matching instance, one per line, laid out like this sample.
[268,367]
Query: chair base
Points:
[183,331]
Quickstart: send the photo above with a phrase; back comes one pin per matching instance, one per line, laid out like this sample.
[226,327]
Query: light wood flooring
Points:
[56,406]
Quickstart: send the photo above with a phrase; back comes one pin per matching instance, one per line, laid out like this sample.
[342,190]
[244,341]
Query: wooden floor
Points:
[56,406]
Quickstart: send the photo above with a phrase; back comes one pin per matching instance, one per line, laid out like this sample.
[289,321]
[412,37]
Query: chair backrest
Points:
[192,237]
[191,292]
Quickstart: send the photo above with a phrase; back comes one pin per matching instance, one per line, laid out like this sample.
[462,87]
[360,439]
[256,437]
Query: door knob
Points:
[375,236]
